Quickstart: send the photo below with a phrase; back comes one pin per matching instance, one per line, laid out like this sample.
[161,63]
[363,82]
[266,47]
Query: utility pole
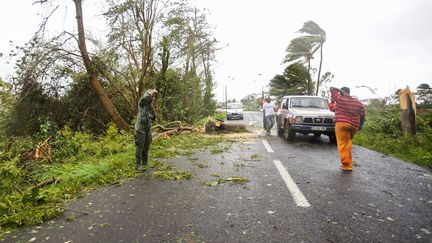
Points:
[226,98]
[223,94]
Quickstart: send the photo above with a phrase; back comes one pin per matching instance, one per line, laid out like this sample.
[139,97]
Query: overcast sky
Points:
[383,44]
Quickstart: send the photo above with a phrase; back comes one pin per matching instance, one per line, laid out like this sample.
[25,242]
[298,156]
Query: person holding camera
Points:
[143,135]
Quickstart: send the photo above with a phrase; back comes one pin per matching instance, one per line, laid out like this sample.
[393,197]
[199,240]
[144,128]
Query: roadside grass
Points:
[381,133]
[417,150]
[82,162]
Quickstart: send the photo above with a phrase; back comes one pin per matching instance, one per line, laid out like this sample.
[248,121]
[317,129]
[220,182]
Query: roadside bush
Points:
[382,133]
[383,122]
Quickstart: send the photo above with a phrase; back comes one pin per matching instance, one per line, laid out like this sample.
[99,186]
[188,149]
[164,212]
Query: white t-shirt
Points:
[268,108]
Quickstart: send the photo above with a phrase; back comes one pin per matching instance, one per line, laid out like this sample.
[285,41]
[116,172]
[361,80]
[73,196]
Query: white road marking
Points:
[267,146]
[297,195]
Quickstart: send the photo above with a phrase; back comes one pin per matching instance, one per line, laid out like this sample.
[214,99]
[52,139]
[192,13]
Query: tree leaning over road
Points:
[302,49]
[316,37]
[96,84]
[299,52]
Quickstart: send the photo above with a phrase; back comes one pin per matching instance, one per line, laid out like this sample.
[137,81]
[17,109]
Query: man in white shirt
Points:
[269,115]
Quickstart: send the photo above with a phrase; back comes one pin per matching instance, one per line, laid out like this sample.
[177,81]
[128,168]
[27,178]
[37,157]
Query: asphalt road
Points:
[295,193]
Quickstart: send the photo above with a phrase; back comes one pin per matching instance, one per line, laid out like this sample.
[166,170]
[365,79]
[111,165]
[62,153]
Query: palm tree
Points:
[294,81]
[299,51]
[316,38]
[302,49]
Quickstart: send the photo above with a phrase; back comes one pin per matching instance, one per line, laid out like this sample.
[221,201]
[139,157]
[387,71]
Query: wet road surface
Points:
[295,193]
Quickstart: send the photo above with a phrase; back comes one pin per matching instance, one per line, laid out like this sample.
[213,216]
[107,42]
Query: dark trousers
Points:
[143,140]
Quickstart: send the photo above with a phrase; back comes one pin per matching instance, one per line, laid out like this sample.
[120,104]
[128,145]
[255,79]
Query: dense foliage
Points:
[382,133]
[79,161]
[175,57]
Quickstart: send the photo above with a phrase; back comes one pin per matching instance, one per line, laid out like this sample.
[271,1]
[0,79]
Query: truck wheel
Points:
[279,129]
[289,134]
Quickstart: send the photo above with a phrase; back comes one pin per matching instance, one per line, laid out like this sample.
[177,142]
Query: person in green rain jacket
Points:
[143,135]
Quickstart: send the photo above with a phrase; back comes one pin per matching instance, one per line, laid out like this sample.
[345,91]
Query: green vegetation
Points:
[381,132]
[231,180]
[80,162]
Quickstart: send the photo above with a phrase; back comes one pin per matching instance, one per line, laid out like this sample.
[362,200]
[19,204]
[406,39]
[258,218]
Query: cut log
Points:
[221,126]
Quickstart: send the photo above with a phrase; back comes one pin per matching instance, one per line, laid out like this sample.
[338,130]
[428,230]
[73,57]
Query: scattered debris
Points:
[104,225]
[255,156]
[201,165]
[70,218]
[231,180]
[237,180]
[388,192]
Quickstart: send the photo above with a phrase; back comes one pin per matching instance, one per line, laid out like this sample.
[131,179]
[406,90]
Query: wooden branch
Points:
[44,183]
[161,128]
[166,131]
[67,209]
[177,123]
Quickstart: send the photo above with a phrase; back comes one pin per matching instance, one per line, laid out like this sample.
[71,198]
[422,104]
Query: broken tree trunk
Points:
[220,126]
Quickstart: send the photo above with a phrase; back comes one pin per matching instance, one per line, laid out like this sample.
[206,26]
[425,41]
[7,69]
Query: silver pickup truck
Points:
[305,115]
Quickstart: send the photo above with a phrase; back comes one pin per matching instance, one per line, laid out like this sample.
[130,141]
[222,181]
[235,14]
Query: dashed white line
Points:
[267,146]
[297,195]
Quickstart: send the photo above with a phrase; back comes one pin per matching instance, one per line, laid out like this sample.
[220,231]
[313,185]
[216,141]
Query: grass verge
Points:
[82,162]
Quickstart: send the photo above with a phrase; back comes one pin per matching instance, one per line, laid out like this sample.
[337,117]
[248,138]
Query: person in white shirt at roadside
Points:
[269,115]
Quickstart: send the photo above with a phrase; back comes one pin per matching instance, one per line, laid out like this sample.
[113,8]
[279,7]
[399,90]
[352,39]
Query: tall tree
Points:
[299,51]
[424,93]
[95,82]
[132,26]
[302,49]
[316,37]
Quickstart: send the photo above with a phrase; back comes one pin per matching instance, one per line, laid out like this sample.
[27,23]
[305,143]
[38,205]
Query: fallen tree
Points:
[219,125]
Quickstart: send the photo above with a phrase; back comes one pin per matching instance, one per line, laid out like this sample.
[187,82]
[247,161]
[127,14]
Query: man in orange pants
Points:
[349,117]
